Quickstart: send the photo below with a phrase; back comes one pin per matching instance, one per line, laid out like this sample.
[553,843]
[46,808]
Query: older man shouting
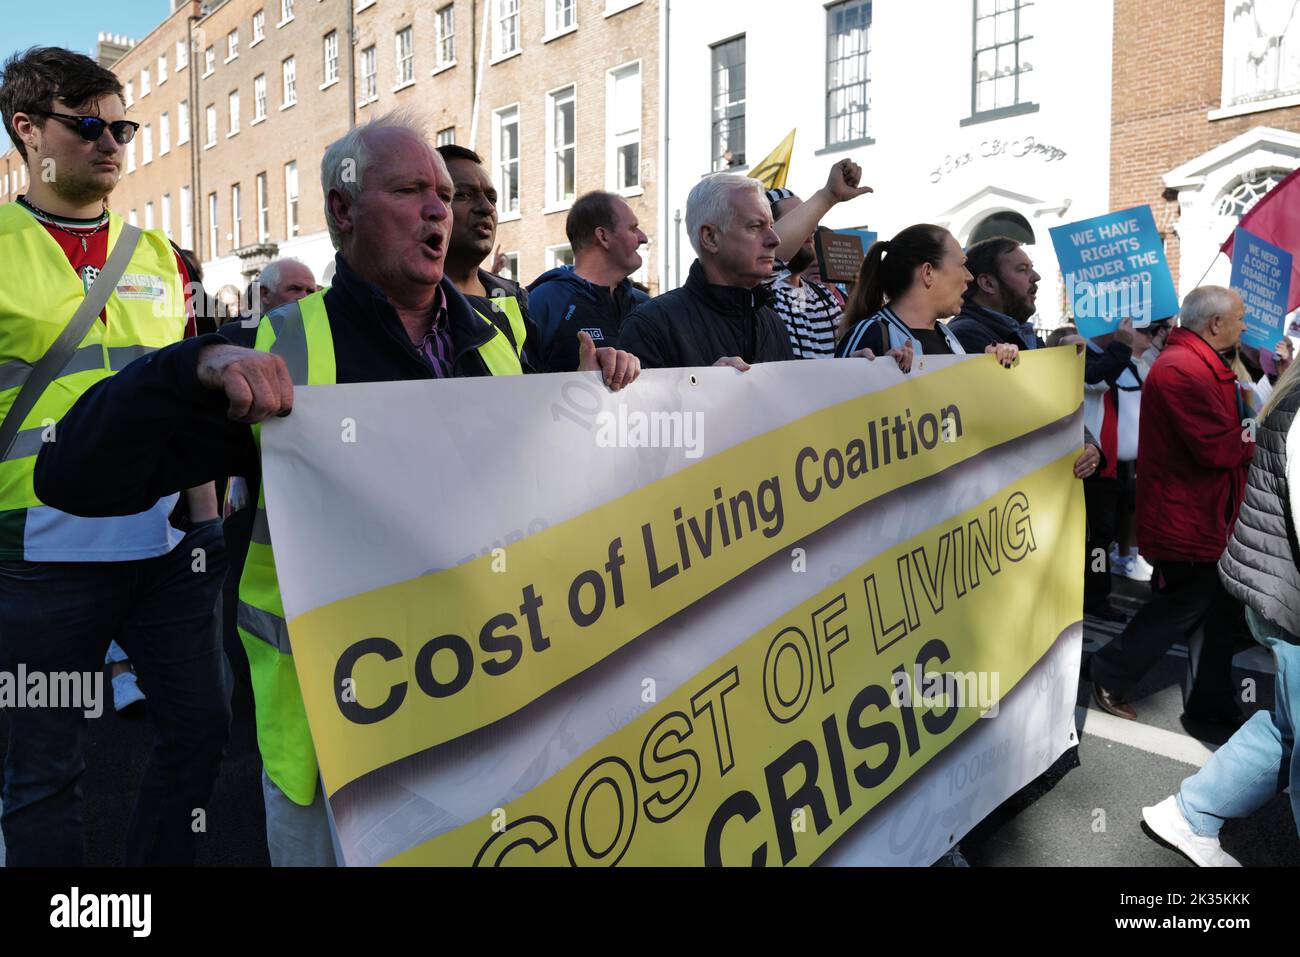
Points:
[390,315]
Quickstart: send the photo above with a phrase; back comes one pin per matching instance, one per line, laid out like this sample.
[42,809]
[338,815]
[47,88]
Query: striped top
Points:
[810,312]
[437,346]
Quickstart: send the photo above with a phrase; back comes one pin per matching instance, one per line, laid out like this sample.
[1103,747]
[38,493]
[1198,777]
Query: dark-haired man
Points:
[473,236]
[999,301]
[594,295]
[69,585]
[809,308]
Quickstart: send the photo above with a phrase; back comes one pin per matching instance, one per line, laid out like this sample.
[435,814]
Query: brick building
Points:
[254,92]
[155,188]
[1206,118]
[567,100]
[239,98]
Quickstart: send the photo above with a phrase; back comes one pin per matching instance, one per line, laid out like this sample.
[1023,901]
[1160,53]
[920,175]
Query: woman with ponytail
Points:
[904,287]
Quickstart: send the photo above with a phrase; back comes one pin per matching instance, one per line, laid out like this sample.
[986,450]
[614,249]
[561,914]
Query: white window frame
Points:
[330,63]
[187,219]
[554,29]
[129,94]
[164,133]
[1231,62]
[618,6]
[232,45]
[291,199]
[499,18]
[182,55]
[148,214]
[371,79]
[161,68]
[498,162]
[443,41]
[146,144]
[554,201]
[183,122]
[615,139]
[263,209]
[232,102]
[258,27]
[440,140]
[145,87]
[236,209]
[512,265]
[259,99]
[553,260]
[288,82]
[286,13]
[210,126]
[130,157]
[213,227]
[132,218]
[209,61]
[400,83]
[167,215]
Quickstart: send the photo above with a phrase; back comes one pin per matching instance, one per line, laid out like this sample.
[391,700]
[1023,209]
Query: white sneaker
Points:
[126,691]
[1167,821]
[1139,569]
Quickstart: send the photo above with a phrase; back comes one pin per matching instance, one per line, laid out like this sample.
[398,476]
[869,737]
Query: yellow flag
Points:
[774,168]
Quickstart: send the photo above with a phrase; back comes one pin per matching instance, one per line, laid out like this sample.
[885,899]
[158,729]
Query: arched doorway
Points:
[1006,223]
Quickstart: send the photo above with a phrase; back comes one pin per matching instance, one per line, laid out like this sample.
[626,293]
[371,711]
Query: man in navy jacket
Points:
[595,295]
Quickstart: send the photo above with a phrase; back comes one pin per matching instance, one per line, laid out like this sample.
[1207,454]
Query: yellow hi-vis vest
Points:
[514,315]
[300,334]
[38,295]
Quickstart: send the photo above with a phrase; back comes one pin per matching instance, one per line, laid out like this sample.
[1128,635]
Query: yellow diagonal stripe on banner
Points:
[402,668]
[776,749]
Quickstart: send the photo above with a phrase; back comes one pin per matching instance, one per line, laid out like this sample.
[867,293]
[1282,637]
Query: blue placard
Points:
[1114,268]
[867,236]
[1261,274]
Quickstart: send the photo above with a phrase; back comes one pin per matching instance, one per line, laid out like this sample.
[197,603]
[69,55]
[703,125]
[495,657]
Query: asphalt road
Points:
[1086,810]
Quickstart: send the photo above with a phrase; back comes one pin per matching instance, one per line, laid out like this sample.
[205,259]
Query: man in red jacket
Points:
[1194,449]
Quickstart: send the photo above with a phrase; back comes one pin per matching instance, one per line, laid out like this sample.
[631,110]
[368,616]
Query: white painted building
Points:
[989,117]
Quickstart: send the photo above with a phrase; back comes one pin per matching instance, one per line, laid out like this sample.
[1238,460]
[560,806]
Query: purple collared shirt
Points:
[437,345]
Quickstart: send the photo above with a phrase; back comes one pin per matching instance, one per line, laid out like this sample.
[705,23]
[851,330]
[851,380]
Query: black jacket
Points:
[152,429]
[1109,364]
[564,304]
[701,323]
[977,328]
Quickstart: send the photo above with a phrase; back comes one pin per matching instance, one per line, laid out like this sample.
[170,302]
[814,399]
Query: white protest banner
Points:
[815,612]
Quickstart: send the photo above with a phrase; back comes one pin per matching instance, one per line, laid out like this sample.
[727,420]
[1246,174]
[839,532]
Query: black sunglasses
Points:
[91,128]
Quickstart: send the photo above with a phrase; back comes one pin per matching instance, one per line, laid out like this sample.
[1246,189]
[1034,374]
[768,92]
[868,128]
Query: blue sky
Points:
[75,24]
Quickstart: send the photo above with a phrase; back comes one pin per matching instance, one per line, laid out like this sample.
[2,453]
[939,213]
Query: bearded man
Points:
[1000,298]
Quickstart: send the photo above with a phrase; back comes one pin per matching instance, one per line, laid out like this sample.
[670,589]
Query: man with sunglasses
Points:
[69,585]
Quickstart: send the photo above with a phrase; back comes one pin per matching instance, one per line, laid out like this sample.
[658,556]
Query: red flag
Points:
[1276,219]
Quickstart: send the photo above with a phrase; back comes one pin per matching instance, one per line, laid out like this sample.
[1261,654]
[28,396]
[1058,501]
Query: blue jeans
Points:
[1262,758]
[60,617]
